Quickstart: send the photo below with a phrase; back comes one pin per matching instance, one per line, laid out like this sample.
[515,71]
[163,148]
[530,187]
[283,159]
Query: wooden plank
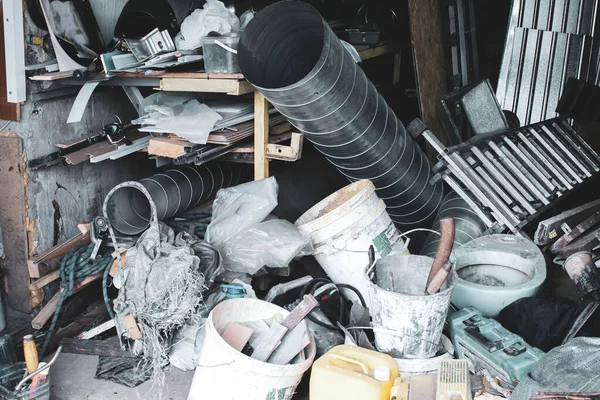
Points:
[261,136]
[46,312]
[167,147]
[8,111]
[249,148]
[54,252]
[368,52]
[229,86]
[97,330]
[52,76]
[132,327]
[427,35]
[43,281]
[13,223]
[290,153]
[107,348]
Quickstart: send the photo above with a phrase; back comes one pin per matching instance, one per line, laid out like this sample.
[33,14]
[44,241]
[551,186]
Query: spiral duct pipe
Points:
[291,56]
[173,191]
[467,225]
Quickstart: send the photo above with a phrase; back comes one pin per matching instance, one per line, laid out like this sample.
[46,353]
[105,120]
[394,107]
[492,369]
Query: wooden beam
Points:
[97,330]
[43,281]
[13,223]
[56,251]
[368,52]
[107,348]
[46,313]
[232,87]
[167,147]
[261,136]
[293,152]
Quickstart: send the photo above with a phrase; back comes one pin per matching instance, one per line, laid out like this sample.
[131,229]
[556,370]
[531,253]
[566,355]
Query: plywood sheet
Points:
[13,222]
[427,38]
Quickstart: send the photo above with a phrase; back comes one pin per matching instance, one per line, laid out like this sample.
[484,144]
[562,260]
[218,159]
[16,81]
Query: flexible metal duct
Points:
[173,191]
[289,53]
[467,225]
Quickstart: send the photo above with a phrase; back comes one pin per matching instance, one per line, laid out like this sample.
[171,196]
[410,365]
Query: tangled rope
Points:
[74,268]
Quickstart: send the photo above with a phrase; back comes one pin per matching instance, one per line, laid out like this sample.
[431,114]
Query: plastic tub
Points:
[225,373]
[343,226]
[220,54]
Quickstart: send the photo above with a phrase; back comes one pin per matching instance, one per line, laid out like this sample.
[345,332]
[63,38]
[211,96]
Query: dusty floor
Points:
[72,378]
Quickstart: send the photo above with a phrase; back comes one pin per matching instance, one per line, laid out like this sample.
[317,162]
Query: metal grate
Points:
[510,177]
[453,380]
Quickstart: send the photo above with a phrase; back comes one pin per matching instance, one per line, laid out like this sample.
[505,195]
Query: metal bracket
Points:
[293,152]
[154,43]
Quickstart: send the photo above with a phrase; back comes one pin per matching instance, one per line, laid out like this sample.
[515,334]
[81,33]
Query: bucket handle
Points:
[362,365]
[224,46]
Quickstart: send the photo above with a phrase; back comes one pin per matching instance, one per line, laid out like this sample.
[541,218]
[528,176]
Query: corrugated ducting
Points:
[467,225]
[173,191]
[289,53]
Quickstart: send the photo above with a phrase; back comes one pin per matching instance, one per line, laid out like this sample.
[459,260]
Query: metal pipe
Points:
[467,225]
[290,55]
[583,272]
[173,191]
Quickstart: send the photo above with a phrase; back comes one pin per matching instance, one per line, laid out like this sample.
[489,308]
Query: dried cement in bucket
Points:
[407,323]
[222,372]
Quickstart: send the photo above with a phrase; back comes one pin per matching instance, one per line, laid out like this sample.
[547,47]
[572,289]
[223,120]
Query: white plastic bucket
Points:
[225,373]
[410,366]
[407,323]
[343,226]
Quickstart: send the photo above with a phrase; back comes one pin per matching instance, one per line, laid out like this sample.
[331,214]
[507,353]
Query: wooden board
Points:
[261,136]
[13,223]
[383,48]
[427,35]
[8,111]
[173,146]
[54,252]
[107,348]
[232,87]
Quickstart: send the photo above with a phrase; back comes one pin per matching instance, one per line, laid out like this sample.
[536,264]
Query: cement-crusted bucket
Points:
[407,323]
[224,373]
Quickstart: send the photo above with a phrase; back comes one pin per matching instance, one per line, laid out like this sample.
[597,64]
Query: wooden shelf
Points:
[231,84]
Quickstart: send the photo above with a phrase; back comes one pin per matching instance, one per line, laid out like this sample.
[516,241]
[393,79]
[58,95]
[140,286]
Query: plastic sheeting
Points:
[191,120]
[162,286]
[214,17]
[573,367]
[246,241]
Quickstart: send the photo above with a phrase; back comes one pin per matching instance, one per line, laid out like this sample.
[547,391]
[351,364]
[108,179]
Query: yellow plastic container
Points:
[350,372]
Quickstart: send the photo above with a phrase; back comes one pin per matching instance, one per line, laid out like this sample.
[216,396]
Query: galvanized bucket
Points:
[407,323]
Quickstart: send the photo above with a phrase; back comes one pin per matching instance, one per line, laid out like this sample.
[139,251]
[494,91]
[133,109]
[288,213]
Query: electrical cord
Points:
[314,284]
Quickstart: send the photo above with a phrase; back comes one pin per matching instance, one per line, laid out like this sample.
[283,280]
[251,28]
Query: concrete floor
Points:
[72,378]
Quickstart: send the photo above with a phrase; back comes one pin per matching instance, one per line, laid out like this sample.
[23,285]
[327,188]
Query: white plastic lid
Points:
[382,374]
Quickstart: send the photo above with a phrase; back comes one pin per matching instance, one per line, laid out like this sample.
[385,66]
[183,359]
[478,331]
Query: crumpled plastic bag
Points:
[214,17]
[192,120]
[183,351]
[245,240]
[239,207]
